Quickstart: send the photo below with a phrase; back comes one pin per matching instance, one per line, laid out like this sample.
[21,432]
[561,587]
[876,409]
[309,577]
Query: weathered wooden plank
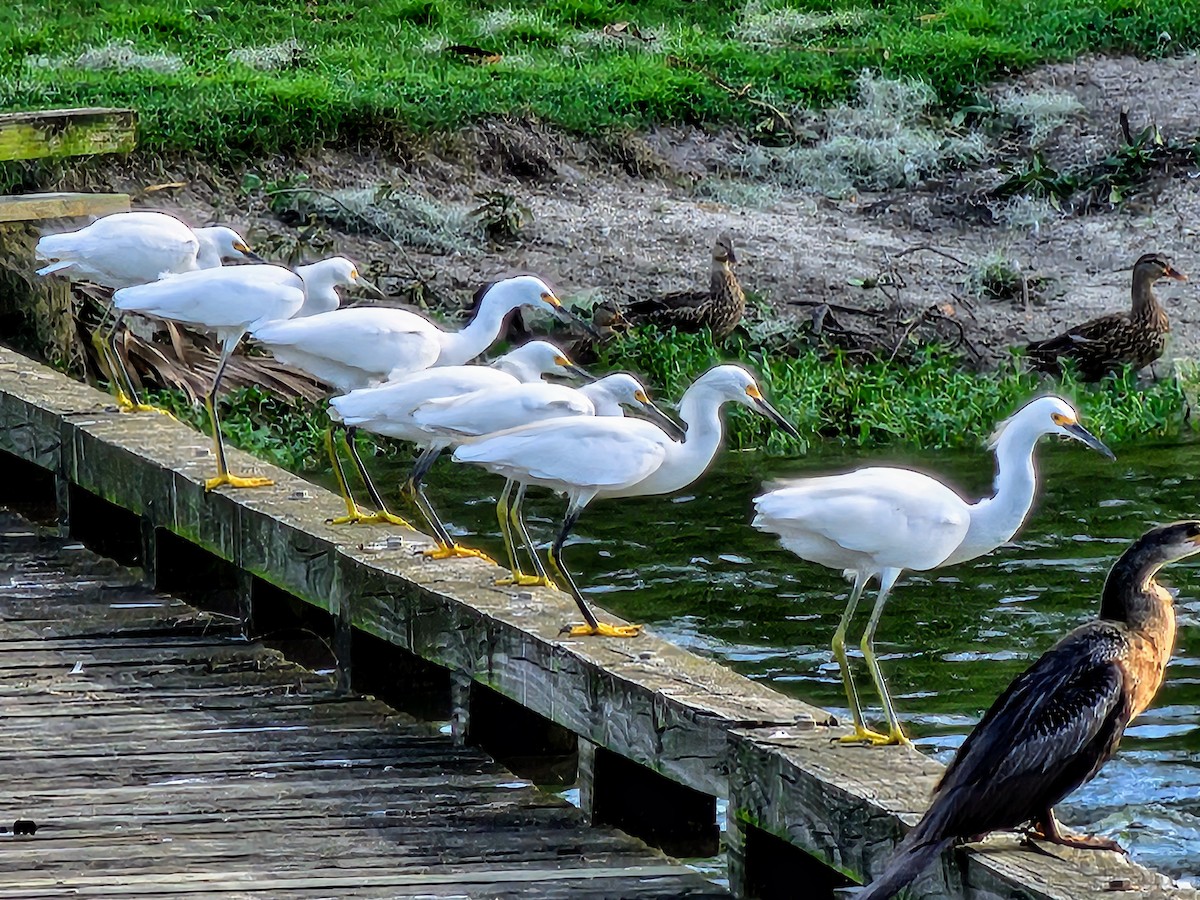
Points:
[59,205]
[55,133]
[224,794]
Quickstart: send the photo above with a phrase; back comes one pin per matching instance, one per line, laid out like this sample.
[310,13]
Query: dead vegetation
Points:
[881,226]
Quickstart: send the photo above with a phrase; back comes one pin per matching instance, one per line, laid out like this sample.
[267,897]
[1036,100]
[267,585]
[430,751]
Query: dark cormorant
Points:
[1059,721]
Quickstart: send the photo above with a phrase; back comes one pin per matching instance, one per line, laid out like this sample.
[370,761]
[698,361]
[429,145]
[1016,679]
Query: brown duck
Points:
[720,308]
[1060,721]
[1109,342]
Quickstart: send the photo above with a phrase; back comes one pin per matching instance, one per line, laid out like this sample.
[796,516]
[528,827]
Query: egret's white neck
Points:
[700,410]
[320,289]
[520,369]
[604,402]
[209,254]
[460,347]
[995,519]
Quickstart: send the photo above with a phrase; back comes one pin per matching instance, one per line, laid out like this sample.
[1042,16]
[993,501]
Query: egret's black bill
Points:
[1081,434]
[371,288]
[788,428]
[674,430]
[565,315]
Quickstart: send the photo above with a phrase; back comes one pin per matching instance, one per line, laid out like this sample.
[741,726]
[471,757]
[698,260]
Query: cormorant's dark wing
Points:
[1048,733]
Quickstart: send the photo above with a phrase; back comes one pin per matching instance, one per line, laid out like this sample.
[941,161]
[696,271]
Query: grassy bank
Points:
[931,402]
[251,79]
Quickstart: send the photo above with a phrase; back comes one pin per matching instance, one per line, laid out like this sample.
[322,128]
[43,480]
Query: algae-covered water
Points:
[692,568]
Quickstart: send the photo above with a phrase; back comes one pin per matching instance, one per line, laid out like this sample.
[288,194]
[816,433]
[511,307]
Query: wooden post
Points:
[677,819]
[527,744]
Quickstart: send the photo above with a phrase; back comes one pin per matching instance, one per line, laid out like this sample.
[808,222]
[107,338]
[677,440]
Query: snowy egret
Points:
[358,348]
[590,457]
[130,248]
[319,280]
[138,247]
[878,521]
[230,301]
[353,348]
[1060,720]
[454,419]
[389,410]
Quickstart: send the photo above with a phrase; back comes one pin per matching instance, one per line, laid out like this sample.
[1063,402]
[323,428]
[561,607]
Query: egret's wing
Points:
[373,339]
[398,399]
[584,451]
[125,248]
[486,412]
[880,513]
[218,298]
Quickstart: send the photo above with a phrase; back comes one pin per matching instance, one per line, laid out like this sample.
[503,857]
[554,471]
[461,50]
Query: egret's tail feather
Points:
[55,267]
[906,863]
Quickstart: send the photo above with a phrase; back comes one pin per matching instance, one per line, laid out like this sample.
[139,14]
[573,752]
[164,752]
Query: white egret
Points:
[451,420]
[353,348]
[230,301]
[138,247]
[129,248]
[877,522]
[389,410]
[590,457]
[361,347]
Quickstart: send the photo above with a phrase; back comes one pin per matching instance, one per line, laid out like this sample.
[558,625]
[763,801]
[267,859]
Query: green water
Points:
[692,568]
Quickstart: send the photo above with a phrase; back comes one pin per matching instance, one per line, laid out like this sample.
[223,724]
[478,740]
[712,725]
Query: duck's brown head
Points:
[1156,266]
[723,249]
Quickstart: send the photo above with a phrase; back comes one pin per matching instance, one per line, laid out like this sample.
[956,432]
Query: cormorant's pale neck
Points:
[460,347]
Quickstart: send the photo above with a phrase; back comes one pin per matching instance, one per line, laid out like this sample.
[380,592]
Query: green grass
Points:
[365,71]
[928,401]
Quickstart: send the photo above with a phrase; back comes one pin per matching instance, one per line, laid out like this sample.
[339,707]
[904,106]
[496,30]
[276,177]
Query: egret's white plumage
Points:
[878,521]
[390,410]
[355,348]
[231,301]
[589,457]
[130,248]
[227,300]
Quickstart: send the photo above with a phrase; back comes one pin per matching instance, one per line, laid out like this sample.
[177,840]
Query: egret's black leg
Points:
[356,516]
[210,403]
[447,547]
[593,625]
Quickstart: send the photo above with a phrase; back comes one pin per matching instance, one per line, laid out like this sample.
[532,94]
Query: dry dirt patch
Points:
[597,228]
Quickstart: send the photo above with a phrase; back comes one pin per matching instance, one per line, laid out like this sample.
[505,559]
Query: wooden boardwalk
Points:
[159,754]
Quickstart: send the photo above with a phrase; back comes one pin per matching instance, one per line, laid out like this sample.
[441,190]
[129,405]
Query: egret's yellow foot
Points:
[236,481]
[457,551]
[366,518]
[873,738]
[519,579]
[125,405]
[605,630]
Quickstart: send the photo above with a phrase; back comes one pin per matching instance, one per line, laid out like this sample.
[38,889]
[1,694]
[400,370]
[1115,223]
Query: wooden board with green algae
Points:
[685,717]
